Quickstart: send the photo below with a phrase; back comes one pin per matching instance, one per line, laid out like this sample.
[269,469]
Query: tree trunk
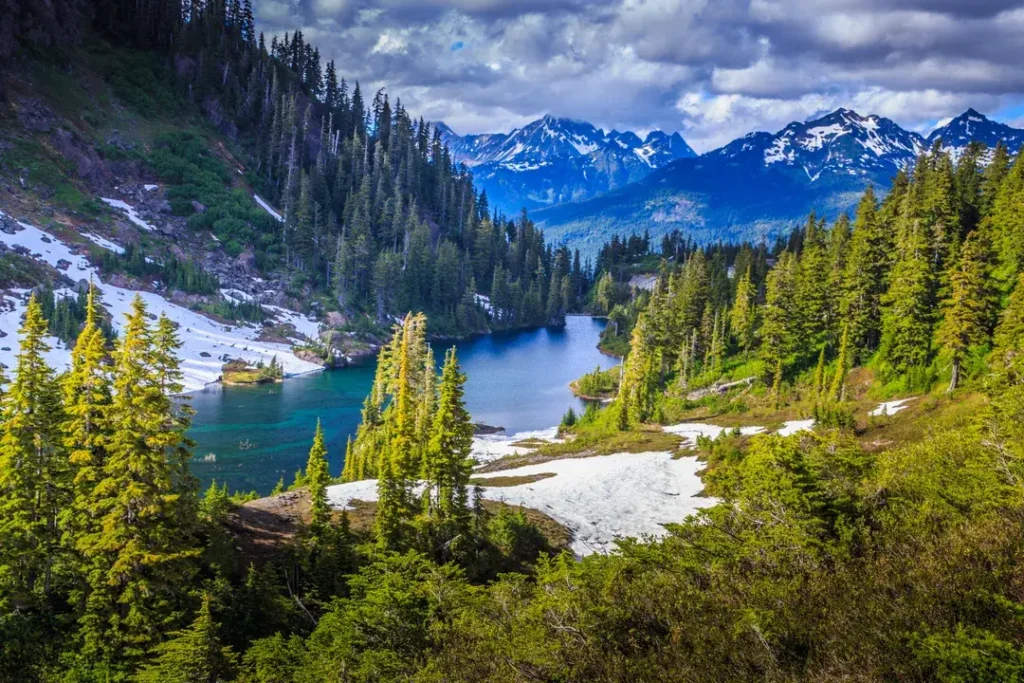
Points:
[955,379]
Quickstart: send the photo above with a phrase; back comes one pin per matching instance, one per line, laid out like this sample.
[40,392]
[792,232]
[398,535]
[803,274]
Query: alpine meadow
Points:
[577,402]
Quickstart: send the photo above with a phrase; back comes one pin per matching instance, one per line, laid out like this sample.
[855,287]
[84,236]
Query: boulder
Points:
[9,225]
[335,319]
[198,207]
[309,357]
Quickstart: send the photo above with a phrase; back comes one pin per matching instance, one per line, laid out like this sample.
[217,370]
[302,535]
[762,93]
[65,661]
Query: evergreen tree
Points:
[447,466]
[193,655]
[908,306]
[864,281]
[967,312]
[743,317]
[35,480]
[779,316]
[318,478]
[86,429]
[837,391]
[640,377]
[140,554]
[1008,356]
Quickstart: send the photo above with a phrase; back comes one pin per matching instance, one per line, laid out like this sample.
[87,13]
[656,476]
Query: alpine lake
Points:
[251,437]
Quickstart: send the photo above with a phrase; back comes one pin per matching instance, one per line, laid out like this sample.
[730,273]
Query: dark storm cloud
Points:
[711,68]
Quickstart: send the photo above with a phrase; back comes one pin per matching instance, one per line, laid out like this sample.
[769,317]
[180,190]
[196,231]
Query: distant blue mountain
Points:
[763,184]
[556,160]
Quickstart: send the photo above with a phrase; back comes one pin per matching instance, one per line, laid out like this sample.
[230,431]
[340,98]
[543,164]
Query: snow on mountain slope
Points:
[554,160]
[841,143]
[206,344]
[763,184]
[974,127]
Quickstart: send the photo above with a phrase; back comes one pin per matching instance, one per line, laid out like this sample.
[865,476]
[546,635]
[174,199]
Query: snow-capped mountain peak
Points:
[972,126]
[556,159]
[840,143]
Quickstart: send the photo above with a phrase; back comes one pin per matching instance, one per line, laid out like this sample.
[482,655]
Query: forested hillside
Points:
[373,217]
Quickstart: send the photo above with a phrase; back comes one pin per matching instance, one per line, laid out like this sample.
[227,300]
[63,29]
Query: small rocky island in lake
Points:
[236,372]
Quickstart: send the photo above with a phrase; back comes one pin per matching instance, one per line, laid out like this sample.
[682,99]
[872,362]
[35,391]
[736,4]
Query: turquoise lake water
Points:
[250,437]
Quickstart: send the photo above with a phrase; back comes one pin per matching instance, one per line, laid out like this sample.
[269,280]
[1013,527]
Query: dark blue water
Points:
[516,380]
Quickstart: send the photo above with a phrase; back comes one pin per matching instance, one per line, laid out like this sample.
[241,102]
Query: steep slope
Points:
[763,184]
[555,160]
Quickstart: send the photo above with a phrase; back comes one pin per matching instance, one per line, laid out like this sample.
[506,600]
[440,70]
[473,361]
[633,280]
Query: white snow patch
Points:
[691,430]
[305,326]
[104,242]
[133,216]
[794,426]
[520,166]
[891,407]
[269,209]
[816,137]
[198,333]
[778,152]
[491,447]
[150,188]
[484,302]
[599,499]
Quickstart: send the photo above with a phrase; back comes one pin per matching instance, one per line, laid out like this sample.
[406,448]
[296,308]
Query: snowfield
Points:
[491,447]
[128,209]
[891,407]
[599,499]
[206,344]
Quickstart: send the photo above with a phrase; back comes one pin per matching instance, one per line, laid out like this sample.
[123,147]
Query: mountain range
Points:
[557,160]
[762,184]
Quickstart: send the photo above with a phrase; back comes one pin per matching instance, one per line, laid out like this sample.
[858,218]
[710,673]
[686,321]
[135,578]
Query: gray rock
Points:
[198,207]
[9,225]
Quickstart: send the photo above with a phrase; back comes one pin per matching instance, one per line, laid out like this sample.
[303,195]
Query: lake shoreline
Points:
[374,348]
[517,379]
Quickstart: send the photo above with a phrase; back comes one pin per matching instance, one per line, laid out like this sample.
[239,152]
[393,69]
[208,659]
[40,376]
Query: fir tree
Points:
[447,466]
[967,312]
[193,655]
[743,317]
[780,319]
[640,376]
[837,391]
[86,429]
[864,280]
[908,313]
[140,554]
[35,480]
[318,478]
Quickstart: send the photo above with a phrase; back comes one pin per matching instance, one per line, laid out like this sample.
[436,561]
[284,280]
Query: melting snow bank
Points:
[133,216]
[205,343]
[794,426]
[691,430]
[891,407]
[599,499]
[491,447]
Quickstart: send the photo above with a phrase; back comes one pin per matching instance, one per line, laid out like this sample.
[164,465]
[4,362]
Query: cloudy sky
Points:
[711,69]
